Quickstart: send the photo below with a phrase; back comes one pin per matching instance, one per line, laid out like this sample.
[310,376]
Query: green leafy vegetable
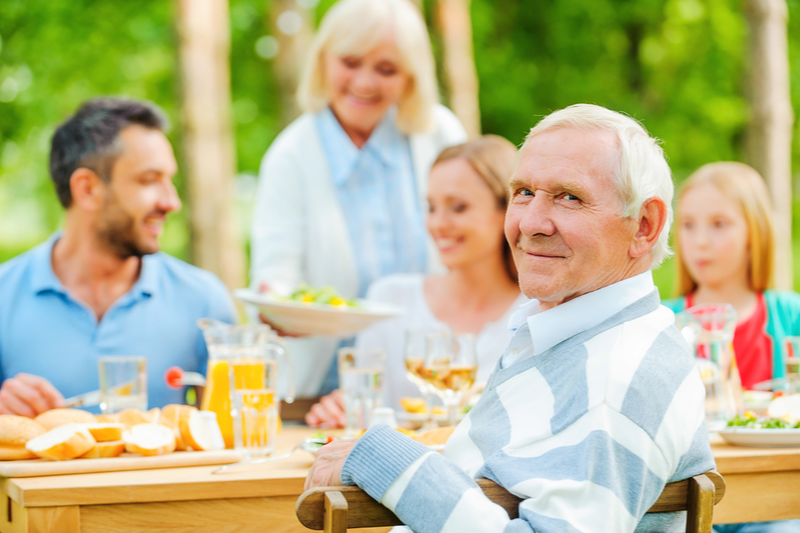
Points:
[324,295]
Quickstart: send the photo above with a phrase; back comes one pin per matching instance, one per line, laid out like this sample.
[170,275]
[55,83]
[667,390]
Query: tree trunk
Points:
[459,63]
[210,165]
[293,27]
[769,139]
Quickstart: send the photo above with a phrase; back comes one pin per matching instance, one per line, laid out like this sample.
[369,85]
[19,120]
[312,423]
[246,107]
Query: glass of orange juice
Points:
[254,408]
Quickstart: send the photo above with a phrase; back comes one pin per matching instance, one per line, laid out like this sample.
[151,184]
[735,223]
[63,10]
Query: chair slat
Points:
[335,516]
[674,496]
[700,504]
[362,511]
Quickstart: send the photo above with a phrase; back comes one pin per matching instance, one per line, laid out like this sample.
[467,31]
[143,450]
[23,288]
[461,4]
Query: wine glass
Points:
[451,366]
[414,353]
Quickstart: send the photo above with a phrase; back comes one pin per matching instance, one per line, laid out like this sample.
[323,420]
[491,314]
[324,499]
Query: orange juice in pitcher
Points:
[242,383]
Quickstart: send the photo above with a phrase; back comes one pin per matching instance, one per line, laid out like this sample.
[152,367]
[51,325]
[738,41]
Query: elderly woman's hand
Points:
[264,287]
[327,468]
[328,413]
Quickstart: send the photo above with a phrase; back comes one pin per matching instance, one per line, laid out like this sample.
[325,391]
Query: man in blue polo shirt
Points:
[101,287]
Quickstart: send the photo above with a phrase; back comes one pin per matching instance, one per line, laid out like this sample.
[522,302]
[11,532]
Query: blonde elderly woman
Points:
[341,198]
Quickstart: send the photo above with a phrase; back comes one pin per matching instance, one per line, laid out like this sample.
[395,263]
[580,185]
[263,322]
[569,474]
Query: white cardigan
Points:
[299,231]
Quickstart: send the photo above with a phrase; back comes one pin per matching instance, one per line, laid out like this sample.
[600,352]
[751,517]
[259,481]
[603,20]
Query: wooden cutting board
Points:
[43,467]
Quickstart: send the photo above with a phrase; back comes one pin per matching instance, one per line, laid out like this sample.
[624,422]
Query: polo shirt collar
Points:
[44,279]
[551,327]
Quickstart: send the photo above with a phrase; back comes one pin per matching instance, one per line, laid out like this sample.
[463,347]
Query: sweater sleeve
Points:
[425,490]
[600,474]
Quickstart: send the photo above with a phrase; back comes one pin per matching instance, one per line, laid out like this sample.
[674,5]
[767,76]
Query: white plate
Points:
[417,420]
[422,417]
[762,438]
[304,318]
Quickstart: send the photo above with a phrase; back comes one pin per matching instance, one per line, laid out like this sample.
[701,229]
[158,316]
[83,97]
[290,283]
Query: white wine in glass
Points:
[450,368]
[414,353]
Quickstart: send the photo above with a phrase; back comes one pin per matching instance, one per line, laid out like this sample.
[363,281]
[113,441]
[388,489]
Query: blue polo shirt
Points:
[46,331]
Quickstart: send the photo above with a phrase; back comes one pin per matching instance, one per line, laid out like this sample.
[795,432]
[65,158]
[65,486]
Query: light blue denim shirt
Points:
[46,331]
[376,188]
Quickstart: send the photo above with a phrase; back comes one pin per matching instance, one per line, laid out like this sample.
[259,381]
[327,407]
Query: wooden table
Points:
[763,484]
[175,500]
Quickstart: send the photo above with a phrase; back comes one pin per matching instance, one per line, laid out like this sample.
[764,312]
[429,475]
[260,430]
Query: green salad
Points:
[324,295]
[750,420]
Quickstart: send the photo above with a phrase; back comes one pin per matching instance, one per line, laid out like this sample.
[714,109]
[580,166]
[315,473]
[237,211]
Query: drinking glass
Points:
[792,362]
[361,382]
[451,366]
[414,352]
[709,329]
[254,404]
[123,383]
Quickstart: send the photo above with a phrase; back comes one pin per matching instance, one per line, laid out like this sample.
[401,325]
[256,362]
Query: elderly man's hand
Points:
[327,468]
[28,395]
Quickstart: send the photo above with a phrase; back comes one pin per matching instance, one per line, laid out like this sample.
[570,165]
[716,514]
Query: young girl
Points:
[725,250]
[467,198]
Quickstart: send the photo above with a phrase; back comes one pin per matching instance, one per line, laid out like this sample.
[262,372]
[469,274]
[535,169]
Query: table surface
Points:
[768,473]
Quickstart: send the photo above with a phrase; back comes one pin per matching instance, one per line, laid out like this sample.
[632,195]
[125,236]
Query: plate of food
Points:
[310,311]
[778,429]
[415,414]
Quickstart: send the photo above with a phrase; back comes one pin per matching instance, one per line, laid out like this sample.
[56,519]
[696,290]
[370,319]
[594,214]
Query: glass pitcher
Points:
[709,330]
[246,357]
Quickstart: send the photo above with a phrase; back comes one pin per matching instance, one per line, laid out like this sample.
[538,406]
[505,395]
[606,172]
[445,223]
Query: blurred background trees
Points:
[679,66]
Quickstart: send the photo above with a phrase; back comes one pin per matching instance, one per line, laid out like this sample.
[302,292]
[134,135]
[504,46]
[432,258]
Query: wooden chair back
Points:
[335,509]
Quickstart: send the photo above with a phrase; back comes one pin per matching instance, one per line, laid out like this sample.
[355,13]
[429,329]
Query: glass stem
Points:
[451,402]
[430,423]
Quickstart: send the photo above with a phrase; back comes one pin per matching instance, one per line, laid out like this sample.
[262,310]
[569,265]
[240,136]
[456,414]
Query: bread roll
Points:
[195,432]
[15,432]
[171,416]
[105,432]
[149,439]
[105,449]
[132,416]
[58,417]
[62,442]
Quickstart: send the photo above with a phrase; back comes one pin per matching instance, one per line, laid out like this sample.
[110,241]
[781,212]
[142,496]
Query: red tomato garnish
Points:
[174,377]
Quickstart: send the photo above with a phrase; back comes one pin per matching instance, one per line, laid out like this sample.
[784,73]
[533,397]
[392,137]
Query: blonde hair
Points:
[745,186]
[493,158]
[642,170]
[355,27]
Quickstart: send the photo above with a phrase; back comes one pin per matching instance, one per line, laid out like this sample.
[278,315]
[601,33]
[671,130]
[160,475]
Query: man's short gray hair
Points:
[642,170]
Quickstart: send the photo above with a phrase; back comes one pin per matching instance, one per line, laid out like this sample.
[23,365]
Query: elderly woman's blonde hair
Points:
[642,170]
[354,28]
[745,186]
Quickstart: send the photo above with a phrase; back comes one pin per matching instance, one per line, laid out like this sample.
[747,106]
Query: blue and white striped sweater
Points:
[588,433]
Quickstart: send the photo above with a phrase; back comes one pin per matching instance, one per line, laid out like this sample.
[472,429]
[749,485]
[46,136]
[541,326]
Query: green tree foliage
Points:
[676,65]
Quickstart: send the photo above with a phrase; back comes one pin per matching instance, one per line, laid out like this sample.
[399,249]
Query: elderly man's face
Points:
[563,220]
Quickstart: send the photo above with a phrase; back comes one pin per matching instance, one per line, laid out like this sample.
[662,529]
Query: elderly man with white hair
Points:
[595,404]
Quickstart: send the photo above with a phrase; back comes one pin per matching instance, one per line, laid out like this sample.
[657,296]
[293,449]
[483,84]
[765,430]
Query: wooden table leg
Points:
[17,519]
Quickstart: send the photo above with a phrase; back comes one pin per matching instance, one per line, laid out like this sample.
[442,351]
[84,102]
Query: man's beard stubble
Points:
[117,232]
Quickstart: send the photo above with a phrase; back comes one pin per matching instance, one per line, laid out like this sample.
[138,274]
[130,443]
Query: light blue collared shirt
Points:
[376,188]
[534,332]
[46,331]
